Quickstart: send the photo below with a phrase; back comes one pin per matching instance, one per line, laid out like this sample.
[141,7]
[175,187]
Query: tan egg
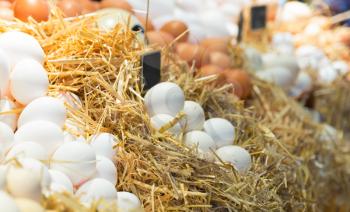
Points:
[6,13]
[192,53]
[240,81]
[70,8]
[159,38]
[28,205]
[37,9]
[176,28]
[142,19]
[215,44]
[208,70]
[89,6]
[220,59]
[121,4]
[5,4]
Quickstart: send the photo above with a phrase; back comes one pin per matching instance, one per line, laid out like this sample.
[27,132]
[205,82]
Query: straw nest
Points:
[291,169]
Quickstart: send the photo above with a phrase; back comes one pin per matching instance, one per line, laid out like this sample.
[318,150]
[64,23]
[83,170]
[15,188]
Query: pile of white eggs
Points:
[166,100]
[37,156]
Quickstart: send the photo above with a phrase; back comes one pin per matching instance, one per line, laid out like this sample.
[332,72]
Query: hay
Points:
[291,170]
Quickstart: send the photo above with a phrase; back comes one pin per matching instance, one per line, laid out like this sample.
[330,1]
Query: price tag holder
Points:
[151,64]
[258,17]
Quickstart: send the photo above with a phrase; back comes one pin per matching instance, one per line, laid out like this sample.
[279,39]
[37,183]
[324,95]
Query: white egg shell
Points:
[59,178]
[97,189]
[29,81]
[237,156]
[165,98]
[4,73]
[199,139]
[46,109]
[28,205]
[27,150]
[220,130]
[106,169]
[75,159]
[327,74]
[10,119]
[19,46]
[7,203]
[158,121]
[23,183]
[37,168]
[71,99]
[128,202]
[103,144]
[6,136]
[45,133]
[302,84]
[3,172]
[341,67]
[194,116]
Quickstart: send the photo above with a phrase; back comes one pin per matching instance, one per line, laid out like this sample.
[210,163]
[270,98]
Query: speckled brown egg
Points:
[208,70]
[70,8]
[142,19]
[158,38]
[191,53]
[176,28]
[241,82]
[121,4]
[220,59]
[37,9]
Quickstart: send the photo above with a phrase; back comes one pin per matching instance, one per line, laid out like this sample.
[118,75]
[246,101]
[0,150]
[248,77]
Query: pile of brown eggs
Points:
[210,56]
[40,9]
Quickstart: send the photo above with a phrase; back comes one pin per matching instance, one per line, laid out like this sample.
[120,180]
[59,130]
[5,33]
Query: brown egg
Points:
[121,4]
[6,13]
[37,9]
[220,59]
[89,6]
[5,4]
[208,70]
[176,28]
[241,82]
[159,38]
[70,8]
[191,53]
[215,44]
[150,26]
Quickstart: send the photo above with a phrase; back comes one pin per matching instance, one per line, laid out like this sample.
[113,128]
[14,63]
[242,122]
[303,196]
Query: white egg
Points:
[158,121]
[23,183]
[128,202]
[45,133]
[341,67]
[6,136]
[165,98]
[103,144]
[302,84]
[220,130]
[199,139]
[97,189]
[309,56]
[295,10]
[4,73]
[10,118]
[46,109]
[237,156]
[68,137]
[194,116]
[287,61]
[7,203]
[71,99]
[29,81]
[281,76]
[19,46]
[3,173]
[61,179]
[282,38]
[76,159]
[38,168]
[254,59]
[27,150]
[106,169]
[28,205]
[327,74]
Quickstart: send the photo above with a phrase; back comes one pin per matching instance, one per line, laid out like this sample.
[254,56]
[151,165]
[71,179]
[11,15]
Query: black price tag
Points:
[240,27]
[258,17]
[151,63]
